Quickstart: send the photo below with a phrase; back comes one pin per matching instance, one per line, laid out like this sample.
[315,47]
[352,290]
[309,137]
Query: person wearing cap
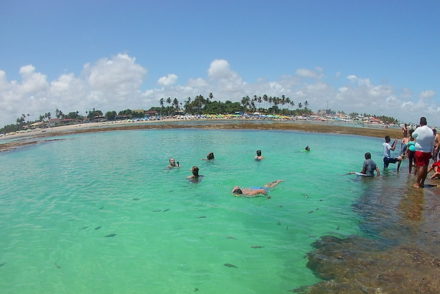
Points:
[254,191]
[424,137]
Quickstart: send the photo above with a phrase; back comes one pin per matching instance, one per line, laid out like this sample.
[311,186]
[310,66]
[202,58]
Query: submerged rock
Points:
[356,265]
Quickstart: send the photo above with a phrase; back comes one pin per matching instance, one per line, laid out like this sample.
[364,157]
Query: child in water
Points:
[411,151]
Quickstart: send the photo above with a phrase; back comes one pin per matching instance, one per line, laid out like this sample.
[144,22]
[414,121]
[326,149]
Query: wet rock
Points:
[356,265]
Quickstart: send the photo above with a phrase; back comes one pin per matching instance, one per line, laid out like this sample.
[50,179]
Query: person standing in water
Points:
[387,148]
[210,156]
[195,177]
[259,156]
[173,163]
[424,146]
[411,150]
[369,166]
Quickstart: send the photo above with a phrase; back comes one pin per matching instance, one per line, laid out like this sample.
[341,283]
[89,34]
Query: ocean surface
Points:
[102,213]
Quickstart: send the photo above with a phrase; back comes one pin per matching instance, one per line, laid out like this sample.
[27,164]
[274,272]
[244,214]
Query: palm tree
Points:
[176,103]
[265,99]
[306,103]
[245,102]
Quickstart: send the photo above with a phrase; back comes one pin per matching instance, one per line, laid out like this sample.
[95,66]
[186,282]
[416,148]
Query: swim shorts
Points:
[388,160]
[260,188]
[422,158]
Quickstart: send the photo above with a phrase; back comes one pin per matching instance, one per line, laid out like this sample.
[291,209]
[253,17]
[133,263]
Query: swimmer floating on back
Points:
[254,191]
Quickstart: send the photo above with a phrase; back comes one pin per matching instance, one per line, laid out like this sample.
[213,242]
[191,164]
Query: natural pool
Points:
[101,213]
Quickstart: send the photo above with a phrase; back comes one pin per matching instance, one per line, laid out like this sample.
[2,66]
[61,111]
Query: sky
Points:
[379,57]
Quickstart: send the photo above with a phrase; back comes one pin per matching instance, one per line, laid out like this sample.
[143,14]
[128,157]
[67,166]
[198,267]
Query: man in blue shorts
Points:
[387,148]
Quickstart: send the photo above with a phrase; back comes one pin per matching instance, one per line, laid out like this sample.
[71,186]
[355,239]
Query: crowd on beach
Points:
[419,145]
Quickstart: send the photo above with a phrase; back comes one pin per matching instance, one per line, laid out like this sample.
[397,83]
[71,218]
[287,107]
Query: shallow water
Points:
[101,213]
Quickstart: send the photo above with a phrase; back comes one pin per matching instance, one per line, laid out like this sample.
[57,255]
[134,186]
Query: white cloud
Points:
[109,83]
[427,94]
[308,73]
[167,80]
[115,83]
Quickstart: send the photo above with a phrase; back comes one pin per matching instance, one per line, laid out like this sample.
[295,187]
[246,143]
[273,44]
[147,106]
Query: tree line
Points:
[198,105]
[207,105]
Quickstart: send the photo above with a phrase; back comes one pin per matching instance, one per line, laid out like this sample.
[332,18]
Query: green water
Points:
[59,201]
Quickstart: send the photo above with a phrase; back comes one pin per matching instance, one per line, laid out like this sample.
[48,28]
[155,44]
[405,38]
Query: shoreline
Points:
[33,137]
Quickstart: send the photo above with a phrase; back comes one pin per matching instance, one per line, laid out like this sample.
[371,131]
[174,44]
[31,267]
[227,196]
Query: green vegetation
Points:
[264,104]
[198,106]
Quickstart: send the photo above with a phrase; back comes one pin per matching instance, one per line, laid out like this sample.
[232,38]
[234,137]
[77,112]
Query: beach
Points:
[13,141]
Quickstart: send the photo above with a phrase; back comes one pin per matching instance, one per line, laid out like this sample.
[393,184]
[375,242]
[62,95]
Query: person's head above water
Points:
[172,162]
[307,148]
[258,152]
[368,155]
[195,171]
[210,156]
[237,190]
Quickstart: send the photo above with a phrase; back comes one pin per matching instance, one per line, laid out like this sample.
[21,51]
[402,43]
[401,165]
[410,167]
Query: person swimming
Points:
[195,177]
[210,156]
[259,156]
[307,148]
[173,163]
[254,191]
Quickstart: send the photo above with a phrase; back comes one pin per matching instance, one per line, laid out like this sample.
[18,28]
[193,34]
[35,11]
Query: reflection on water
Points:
[402,252]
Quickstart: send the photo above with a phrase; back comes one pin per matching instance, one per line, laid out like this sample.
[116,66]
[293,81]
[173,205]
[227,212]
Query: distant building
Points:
[151,113]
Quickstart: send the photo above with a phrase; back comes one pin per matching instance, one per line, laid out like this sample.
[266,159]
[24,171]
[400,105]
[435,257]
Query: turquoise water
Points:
[101,213]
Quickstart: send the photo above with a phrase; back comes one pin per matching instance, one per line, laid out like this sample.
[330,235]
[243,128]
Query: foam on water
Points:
[101,213]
